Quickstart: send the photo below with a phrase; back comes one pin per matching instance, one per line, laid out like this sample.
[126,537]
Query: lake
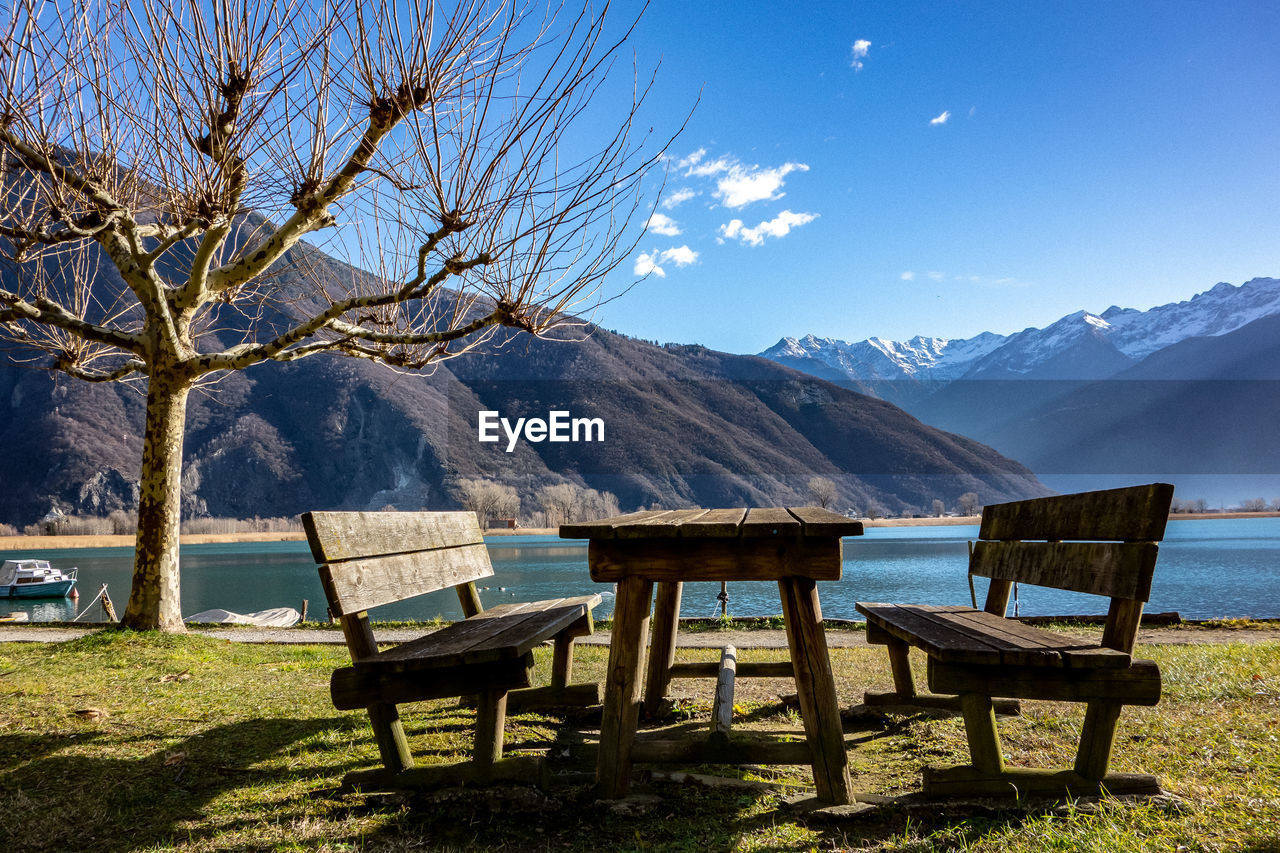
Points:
[1207,569]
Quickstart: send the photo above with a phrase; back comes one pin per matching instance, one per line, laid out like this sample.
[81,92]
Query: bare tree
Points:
[163,161]
[487,499]
[557,502]
[939,508]
[968,504]
[822,492]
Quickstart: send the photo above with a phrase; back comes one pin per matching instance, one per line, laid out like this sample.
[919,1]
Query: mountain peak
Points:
[1117,337]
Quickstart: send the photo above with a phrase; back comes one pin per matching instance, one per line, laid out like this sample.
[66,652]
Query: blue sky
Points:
[893,169]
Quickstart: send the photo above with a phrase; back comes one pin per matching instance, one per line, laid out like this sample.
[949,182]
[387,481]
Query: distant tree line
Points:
[551,506]
[823,492]
[125,523]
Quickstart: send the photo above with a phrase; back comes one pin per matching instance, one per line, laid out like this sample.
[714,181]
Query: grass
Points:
[142,742]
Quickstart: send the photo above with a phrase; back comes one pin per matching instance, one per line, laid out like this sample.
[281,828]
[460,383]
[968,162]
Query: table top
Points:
[789,522]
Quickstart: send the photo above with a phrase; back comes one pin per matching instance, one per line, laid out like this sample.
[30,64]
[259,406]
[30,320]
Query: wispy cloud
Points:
[650,263]
[662,224]
[963,279]
[941,118]
[737,184]
[860,49]
[779,226]
[744,185]
[678,197]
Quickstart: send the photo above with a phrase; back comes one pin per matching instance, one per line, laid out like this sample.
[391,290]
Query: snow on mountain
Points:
[1081,345]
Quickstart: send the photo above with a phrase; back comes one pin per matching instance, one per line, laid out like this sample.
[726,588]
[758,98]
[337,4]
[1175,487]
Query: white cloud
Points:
[941,118]
[908,276]
[737,185]
[662,224]
[647,264]
[860,50]
[744,185]
[650,263]
[681,256]
[692,160]
[779,226]
[937,276]
[679,197]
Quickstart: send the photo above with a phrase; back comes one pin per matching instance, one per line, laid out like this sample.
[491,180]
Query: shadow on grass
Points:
[81,802]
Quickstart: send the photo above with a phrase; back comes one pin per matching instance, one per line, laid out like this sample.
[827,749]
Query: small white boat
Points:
[35,579]
[276,617]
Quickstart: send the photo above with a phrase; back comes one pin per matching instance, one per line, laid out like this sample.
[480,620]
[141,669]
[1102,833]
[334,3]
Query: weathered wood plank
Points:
[1114,569]
[607,527]
[732,752]
[339,536]
[939,701]
[500,633]
[353,687]
[1133,514]
[665,526]
[913,624]
[528,769]
[716,523]
[715,559]
[1137,684]
[365,583]
[817,521]
[770,522]
[745,669]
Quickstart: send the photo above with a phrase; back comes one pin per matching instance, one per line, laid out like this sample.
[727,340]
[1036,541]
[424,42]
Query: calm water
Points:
[1207,569]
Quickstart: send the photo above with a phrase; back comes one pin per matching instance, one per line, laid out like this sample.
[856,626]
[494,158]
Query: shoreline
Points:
[35,543]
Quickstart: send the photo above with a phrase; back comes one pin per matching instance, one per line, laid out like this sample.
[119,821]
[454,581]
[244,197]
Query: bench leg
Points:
[815,684]
[904,683]
[491,718]
[622,687]
[980,729]
[662,646]
[1096,738]
[562,661]
[389,735]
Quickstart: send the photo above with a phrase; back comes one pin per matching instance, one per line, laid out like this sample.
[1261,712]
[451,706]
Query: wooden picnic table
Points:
[794,546]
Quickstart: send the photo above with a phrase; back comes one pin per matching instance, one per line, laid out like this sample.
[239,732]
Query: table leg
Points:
[815,684]
[662,649]
[622,687]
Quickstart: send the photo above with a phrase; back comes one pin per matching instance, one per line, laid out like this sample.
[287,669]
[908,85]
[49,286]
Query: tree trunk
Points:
[154,601]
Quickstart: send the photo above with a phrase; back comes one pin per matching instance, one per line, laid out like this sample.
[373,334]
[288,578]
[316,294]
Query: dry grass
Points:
[197,744]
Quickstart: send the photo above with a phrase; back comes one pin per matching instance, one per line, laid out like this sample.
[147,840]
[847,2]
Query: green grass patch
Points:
[145,742]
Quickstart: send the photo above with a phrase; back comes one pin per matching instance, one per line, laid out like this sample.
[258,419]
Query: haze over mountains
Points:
[1184,391]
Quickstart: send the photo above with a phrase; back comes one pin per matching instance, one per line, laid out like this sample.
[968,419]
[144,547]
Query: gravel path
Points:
[753,639]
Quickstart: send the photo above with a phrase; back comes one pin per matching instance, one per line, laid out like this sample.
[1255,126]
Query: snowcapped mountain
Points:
[1079,346]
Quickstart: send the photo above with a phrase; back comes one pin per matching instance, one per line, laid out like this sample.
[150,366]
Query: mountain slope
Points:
[683,426]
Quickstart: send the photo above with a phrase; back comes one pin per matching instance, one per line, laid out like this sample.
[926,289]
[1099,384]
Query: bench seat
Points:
[958,634]
[493,647]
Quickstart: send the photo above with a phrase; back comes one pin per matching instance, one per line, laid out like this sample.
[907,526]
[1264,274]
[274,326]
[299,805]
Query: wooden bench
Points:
[375,558]
[1102,543]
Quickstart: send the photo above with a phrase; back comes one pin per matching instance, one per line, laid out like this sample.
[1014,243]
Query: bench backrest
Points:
[1102,543]
[373,558]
